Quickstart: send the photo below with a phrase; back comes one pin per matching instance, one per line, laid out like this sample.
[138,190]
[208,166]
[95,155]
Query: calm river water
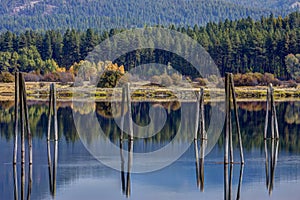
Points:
[79,175]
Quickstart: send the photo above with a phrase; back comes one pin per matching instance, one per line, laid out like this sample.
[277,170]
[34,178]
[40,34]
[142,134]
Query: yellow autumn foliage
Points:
[115,67]
[60,69]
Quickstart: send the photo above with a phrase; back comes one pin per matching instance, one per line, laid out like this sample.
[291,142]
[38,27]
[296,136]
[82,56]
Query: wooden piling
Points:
[227,106]
[229,119]
[274,122]
[197,115]
[202,115]
[21,98]
[22,119]
[230,93]
[197,163]
[52,109]
[274,115]
[25,107]
[237,119]
[16,117]
[49,112]
[129,111]
[267,114]
[55,113]
[122,113]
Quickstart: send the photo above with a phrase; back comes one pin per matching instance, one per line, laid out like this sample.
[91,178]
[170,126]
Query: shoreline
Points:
[40,90]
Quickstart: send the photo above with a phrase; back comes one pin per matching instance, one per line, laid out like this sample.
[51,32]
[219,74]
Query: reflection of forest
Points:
[252,118]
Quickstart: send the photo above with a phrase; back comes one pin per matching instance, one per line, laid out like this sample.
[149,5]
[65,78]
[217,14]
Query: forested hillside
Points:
[266,45]
[18,15]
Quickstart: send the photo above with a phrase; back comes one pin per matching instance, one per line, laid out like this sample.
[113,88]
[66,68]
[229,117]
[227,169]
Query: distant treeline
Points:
[238,46]
[18,15]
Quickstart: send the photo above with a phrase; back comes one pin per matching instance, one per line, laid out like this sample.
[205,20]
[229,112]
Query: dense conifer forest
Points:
[18,15]
[268,45]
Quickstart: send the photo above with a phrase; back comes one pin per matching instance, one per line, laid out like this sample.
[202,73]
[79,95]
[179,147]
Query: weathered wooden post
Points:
[274,115]
[129,111]
[121,140]
[52,109]
[52,166]
[227,118]
[237,119]
[274,122]
[197,162]
[49,112]
[21,98]
[55,113]
[22,118]
[25,107]
[122,113]
[230,93]
[267,114]
[202,115]
[197,115]
[16,116]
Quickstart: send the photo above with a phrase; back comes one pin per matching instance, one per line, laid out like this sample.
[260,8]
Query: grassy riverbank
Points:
[40,90]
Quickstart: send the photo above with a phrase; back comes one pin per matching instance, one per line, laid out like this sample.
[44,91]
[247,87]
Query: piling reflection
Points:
[52,168]
[228,181]
[122,167]
[270,148]
[270,163]
[15,182]
[23,182]
[199,161]
[29,182]
[126,184]
[130,153]
[240,182]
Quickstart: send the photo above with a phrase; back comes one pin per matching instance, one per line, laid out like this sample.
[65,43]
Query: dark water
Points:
[80,176]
